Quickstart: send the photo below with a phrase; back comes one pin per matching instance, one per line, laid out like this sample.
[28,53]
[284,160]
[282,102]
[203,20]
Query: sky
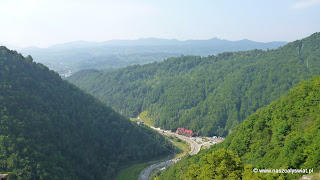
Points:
[43,23]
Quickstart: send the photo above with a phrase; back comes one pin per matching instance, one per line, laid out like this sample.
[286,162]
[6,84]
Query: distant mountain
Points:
[70,57]
[214,42]
[12,47]
[138,42]
[50,129]
[209,95]
[32,48]
[284,135]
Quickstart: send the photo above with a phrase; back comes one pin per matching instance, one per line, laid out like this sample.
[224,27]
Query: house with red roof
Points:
[185,132]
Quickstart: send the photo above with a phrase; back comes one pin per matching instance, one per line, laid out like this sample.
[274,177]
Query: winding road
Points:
[144,175]
[195,148]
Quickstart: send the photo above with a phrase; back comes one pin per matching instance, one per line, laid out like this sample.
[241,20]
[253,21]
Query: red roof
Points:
[181,129]
[185,131]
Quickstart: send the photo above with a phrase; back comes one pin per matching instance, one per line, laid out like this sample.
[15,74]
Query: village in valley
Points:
[204,142]
[195,141]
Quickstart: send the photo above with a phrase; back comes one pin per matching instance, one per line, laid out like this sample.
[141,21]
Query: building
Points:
[139,121]
[185,132]
[218,140]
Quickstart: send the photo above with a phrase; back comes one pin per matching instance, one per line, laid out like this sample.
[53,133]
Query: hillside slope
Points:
[283,135]
[49,129]
[210,95]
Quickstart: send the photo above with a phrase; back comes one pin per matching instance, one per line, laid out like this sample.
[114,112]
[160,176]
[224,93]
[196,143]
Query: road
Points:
[144,175]
[195,148]
[195,144]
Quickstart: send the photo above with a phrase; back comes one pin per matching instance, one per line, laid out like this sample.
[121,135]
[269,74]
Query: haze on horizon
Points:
[43,22]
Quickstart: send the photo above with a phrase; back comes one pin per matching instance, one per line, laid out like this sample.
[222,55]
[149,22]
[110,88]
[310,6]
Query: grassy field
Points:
[132,172]
[144,117]
[183,147]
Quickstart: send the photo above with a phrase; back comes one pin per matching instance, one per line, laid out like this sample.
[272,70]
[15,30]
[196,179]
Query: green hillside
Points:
[49,129]
[210,95]
[283,135]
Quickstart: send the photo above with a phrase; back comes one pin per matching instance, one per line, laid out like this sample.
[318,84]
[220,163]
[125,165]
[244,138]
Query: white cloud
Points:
[302,4]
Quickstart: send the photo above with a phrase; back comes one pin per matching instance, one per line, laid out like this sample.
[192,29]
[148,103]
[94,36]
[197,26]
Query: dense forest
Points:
[50,129]
[210,95]
[283,135]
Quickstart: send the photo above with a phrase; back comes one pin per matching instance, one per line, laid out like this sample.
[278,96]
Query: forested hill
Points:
[209,95]
[50,129]
[283,135]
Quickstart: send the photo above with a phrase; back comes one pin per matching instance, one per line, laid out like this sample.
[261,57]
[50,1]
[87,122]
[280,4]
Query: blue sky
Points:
[45,22]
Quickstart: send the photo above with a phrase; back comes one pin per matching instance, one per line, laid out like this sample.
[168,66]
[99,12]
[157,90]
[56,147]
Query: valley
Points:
[210,95]
[264,103]
[159,90]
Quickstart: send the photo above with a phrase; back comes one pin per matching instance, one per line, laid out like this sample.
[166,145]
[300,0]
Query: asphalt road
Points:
[195,148]
[144,175]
